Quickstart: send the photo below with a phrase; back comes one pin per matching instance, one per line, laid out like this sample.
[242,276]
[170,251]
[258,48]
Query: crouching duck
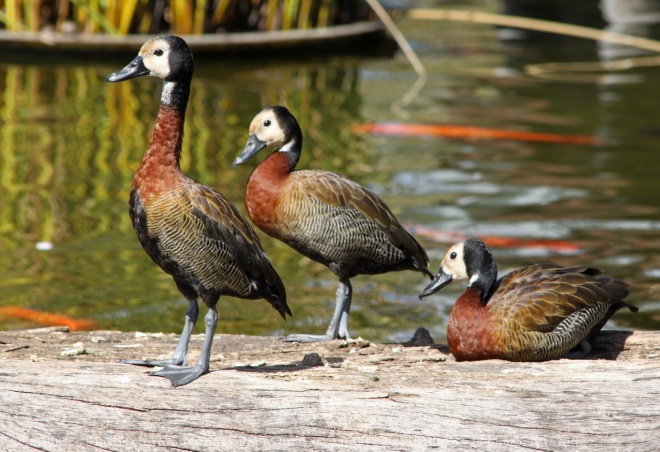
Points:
[535,313]
[322,215]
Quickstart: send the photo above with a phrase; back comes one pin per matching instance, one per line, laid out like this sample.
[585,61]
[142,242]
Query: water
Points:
[71,143]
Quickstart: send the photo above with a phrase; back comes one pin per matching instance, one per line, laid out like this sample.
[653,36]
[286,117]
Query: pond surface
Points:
[71,143]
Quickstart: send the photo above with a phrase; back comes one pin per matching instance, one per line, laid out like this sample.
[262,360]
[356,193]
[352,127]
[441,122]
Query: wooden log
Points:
[65,391]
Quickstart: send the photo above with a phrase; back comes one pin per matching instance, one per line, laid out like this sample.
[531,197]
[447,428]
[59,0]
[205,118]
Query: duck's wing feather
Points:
[224,224]
[540,297]
[338,191]
[348,198]
[196,235]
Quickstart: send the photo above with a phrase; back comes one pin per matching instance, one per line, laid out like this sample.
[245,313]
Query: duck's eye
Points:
[158,52]
[266,122]
[453,255]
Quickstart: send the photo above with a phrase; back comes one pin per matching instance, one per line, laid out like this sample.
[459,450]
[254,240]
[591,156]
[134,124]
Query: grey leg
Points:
[338,328]
[179,375]
[345,294]
[179,356]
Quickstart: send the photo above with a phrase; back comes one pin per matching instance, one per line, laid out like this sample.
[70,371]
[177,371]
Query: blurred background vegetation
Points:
[121,17]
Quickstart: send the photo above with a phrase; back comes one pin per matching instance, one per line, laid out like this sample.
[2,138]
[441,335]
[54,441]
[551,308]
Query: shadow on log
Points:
[610,344]
[66,391]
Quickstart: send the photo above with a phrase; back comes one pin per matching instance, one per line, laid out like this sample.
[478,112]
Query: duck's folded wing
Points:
[539,297]
[344,194]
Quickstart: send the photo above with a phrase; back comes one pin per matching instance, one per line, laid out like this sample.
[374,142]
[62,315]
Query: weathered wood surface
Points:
[263,395]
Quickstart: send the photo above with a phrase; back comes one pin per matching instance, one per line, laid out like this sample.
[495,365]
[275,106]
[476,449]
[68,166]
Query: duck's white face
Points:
[453,262]
[155,55]
[266,127]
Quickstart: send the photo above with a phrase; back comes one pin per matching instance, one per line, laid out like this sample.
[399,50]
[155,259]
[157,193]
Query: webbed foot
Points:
[307,338]
[180,375]
[154,362]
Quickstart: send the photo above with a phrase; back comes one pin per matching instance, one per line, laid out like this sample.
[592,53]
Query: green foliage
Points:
[120,17]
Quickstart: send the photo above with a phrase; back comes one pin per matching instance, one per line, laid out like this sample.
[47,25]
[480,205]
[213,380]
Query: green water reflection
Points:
[70,144]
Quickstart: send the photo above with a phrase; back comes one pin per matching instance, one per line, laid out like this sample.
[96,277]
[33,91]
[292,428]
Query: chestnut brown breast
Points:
[471,331]
[263,192]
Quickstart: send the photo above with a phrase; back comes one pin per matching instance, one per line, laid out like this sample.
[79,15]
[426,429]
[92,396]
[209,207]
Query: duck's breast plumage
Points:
[264,190]
[470,332]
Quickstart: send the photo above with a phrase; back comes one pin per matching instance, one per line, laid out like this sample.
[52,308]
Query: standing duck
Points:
[322,215]
[191,231]
[535,313]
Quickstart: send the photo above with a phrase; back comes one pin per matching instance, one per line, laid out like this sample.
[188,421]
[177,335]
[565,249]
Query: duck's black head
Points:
[469,260]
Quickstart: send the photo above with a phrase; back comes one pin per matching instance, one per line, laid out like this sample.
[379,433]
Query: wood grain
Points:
[65,391]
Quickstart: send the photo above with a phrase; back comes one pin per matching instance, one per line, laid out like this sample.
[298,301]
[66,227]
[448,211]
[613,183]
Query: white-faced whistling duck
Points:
[191,231]
[322,215]
[535,313]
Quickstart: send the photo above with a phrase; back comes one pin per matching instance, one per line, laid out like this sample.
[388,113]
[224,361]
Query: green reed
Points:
[121,17]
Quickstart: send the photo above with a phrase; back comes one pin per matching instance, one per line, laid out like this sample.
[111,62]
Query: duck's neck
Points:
[291,150]
[277,164]
[483,274]
[484,286]
[273,170]
[167,137]
[160,164]
[471,300]
[165,146]
[266,185]
[175,94]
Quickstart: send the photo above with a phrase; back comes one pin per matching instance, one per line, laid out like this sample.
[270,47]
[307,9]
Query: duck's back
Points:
[543,311]
[539,297]
[339,223]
